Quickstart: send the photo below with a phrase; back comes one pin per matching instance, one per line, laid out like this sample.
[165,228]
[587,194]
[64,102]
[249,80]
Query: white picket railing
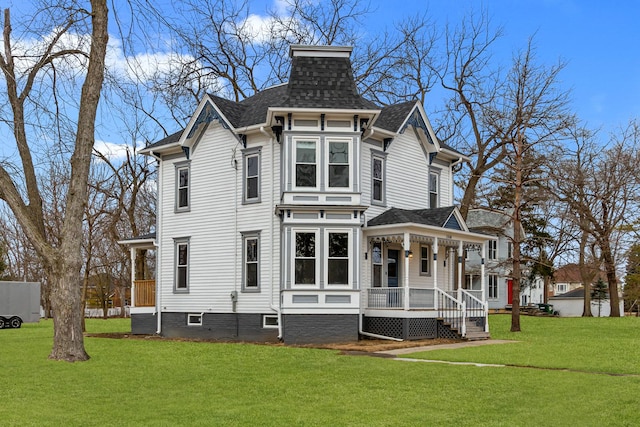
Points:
[454,307]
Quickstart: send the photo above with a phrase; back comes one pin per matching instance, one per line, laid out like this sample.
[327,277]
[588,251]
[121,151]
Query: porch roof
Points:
[446,223]
[436,217]
[145,241]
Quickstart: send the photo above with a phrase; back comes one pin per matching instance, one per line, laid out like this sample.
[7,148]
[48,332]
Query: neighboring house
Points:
[568,278]
[307,214]
[571,304]
[497,261]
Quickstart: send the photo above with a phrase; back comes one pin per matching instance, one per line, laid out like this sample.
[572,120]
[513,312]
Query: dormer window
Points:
[306,164]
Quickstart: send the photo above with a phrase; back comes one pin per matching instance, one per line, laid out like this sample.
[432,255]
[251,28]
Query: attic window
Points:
[338,123]
[306,123]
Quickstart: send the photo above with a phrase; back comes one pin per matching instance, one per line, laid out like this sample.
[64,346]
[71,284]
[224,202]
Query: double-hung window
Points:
[493,249]
[306,164]
[376,260]
[338,258]
[251,171]
[493,286]
[378,178]
[338,164]
[425,261]
[434,189]
[305,258]
[181,265]
[182,187]
[251,266]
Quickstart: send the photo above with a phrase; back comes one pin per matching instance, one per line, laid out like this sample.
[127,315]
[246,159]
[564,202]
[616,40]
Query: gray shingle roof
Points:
[392,116]
[174,137]
[436,217]
[323,82]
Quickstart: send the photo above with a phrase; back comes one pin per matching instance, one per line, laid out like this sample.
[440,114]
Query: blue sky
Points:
[599,40]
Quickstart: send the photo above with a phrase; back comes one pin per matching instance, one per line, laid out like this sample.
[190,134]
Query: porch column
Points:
[132,254]
[435,262]
[483,283]
[406,244]
[460,282]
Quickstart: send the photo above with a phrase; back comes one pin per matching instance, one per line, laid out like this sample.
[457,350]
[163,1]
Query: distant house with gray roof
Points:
[307,213]
[498,261]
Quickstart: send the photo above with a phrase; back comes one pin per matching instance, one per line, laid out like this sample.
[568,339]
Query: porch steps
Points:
[474,332]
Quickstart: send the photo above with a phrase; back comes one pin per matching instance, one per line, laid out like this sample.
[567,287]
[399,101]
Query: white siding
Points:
[215,258]
[407,174]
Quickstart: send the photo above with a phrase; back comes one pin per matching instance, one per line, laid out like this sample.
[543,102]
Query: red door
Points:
[509,291]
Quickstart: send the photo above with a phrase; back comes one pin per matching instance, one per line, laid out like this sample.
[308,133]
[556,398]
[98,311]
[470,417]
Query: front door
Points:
[392,268]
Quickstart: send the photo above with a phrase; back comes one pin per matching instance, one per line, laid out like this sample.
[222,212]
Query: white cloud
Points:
[113,152]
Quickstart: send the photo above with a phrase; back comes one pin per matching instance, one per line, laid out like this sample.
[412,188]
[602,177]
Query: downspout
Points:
[274,307]
[158,250]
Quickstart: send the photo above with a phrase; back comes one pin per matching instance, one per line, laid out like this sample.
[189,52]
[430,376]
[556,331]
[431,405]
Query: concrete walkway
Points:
[402,351]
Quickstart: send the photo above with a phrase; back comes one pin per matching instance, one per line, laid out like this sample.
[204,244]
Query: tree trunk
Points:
[68,340]
[584,277]
[610,266]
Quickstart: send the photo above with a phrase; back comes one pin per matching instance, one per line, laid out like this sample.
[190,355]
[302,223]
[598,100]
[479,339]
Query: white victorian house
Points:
[307,213]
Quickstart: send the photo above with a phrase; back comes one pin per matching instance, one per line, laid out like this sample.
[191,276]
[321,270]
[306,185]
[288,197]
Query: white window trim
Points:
[265,324]
[378,155]
[294,232]
[381,264]
[176,245]
[435,172]
[246,154]
[492,252]
[190,322]
[349,233]
[429,261]
[496,287]
[319,169]
[178,167]
[253,235]
[325,169]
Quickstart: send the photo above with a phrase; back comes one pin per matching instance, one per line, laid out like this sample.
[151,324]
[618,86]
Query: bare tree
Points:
[21,191]
[535,110]
[600,184]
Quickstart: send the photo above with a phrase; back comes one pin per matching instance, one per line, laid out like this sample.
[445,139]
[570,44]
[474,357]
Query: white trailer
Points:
[19,303]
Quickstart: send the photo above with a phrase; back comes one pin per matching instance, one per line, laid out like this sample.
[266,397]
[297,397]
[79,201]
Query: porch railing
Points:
[477,310]
[456,308]
[145,293]
[452,311]
[385,298]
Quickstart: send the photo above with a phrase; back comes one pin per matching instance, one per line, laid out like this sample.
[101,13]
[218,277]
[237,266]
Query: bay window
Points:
[338,164]
[306,164]
[338,259]
[305,258]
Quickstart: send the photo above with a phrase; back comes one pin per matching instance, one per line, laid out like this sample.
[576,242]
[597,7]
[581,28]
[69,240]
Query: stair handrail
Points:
[484,306]
[454,315]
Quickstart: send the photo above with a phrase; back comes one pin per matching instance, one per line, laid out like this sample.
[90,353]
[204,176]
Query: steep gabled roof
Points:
[436,217]
[393,116]
[174,137]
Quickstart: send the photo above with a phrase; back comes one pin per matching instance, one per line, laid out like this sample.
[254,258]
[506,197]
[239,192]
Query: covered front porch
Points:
[143,285]
[413,285]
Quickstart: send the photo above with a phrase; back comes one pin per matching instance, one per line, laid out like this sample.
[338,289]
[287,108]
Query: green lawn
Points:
[152,382]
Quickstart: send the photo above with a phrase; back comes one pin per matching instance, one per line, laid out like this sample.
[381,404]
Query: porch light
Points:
[408,254]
